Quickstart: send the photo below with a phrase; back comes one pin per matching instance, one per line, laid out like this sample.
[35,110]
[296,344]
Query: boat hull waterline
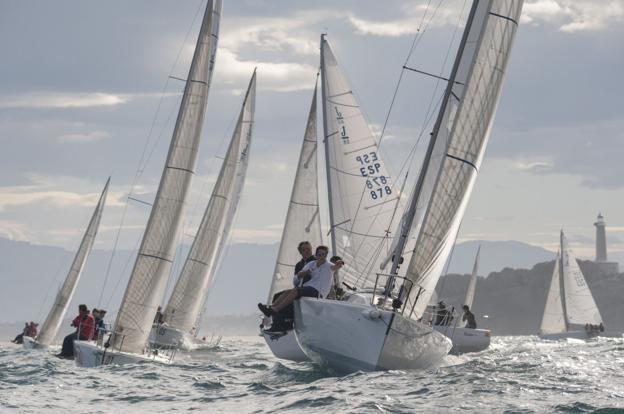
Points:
[350,337]
[88,354]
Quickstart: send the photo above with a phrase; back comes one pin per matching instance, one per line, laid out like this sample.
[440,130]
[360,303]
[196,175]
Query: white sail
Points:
[50,327]
[458,142]
[362,198]
[580,307]
[303,222]
[151,269]
[472,284]
[553,320]
[191,288]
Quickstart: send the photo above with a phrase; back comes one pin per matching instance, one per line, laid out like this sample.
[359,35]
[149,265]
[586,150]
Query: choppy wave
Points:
[517,374]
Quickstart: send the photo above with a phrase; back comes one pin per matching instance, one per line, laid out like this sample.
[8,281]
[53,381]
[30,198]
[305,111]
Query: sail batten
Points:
[149,276]
[458,143]
[53,321]
[303,221]
[191,288]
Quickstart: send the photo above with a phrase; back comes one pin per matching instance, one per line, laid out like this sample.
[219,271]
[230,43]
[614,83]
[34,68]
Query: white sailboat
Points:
[302,223]
[53,321]
[128,342]
[467,339]
[570,304]
[383,327]
[182,312]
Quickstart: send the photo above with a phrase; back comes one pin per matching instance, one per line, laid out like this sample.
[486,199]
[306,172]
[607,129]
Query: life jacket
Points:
[86,326]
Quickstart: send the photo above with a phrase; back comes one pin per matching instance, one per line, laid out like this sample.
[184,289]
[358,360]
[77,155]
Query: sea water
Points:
[516,374]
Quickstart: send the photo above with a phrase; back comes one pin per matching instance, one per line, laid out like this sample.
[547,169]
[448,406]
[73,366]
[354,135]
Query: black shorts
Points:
[307,291]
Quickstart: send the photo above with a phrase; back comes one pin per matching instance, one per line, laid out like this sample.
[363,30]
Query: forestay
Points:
[151,269]
[580,306]
[362,197]
[50,327]
[303,220]
[458,141]
[553,320]
[195,278]
[472,284]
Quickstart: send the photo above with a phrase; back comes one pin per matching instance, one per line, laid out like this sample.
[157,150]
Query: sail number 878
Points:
[378,187]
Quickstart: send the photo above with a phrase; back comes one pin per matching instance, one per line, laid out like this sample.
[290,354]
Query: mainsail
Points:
[580,307]
[554,320]
[362,198]
[472,285]
[191,288]
[458,142]
[303,220]
[151,269]
[50,327]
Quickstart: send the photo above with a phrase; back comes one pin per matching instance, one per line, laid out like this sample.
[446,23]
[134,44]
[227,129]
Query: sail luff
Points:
[191,288]
[53,321]
[149,276]
[303,221]
[553,319]
[460,139]
[472,284]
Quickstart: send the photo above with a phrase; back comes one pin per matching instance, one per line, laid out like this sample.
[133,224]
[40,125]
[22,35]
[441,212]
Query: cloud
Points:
[533,166]
[272,76]
[573,15]
[62,100]
[14,231]
[92,136]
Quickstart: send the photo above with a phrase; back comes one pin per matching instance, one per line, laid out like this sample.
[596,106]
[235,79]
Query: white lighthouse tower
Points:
[601,247]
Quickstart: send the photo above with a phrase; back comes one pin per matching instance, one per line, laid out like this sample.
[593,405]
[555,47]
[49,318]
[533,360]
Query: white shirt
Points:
[321,277]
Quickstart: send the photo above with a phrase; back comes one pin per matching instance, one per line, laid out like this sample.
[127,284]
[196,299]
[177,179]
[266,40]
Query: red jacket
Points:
[85,325]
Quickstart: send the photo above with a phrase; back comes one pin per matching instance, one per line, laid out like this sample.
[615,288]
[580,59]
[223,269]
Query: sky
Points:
[85,90]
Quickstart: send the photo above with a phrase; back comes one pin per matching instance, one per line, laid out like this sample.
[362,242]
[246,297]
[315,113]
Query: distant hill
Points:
[514,299]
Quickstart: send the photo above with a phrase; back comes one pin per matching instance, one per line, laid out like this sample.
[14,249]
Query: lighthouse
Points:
[601,247]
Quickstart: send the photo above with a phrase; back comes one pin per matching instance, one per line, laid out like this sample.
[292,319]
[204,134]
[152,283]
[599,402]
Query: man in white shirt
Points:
[320,272]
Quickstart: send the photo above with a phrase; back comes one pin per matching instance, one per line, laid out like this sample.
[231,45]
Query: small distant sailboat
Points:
[189,294]
[53,321]
[146,287]
[467,339]
[570,306]
[302,223]
[378,326]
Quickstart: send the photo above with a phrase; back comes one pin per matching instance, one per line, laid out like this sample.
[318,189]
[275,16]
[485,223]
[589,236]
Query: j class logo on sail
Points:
[369,167]
[343,131]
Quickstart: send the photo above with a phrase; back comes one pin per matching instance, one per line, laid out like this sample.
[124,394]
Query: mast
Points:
[50,327]
[414,201]
[326,145]
[148,280]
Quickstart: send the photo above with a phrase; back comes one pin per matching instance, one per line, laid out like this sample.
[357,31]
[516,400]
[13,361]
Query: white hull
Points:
[579,335]
[88,354]
[31,343]
[351,337]
[284,345]
[466,339]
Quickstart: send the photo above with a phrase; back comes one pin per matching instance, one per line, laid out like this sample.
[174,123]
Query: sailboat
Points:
[182,312]
[467,339]
[302,223]
[147,284]
[569,304]
[381,325]
[53,321]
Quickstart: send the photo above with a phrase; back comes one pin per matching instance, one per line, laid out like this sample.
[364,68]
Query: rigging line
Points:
[414,43]
[139,170]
